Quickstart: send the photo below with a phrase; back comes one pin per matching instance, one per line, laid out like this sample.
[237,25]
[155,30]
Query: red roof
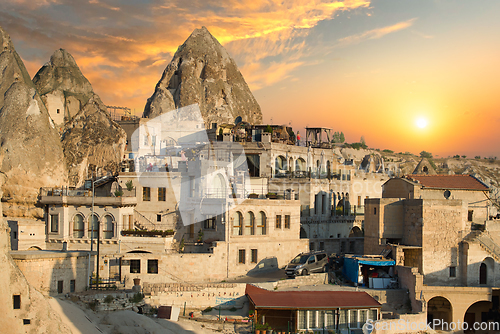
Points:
[262,298]
[464,182]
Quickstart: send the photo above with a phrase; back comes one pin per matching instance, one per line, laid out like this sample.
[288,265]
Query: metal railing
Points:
[66,191]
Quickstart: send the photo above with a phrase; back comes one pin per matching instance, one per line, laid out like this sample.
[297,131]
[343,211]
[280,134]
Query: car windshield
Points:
[300,259]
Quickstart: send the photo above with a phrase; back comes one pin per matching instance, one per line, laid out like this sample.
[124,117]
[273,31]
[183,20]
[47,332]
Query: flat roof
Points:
[46,254]
[262,298]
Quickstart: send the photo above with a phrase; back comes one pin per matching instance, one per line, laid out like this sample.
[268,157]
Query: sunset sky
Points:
[367,68]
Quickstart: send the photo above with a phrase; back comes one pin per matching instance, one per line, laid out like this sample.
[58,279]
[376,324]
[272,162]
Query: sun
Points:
[421,123]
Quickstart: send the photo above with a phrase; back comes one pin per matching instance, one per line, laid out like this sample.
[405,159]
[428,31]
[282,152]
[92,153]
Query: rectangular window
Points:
[152,266]
[135,266]
[353,323]
[254,256]
[209,223]
[162,194]
[470,215]
[278,221]
[453,271]
[374,211]
[313,319]
[241,256]
[17,301]
[54,223]
[146,194]
[330,319]
[72,285]
[343,318]
[60,286]
[362,317]
[287,221]
[373,314]
[302,319]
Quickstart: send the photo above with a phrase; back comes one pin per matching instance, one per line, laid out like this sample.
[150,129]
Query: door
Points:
[482,274]
[59,286]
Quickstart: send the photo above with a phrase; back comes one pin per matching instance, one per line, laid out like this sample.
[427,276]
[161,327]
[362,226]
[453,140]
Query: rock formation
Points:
[89,136]
[30,143]
[202,72]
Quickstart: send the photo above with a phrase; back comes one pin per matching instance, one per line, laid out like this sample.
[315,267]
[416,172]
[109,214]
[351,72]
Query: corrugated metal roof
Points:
[262,298]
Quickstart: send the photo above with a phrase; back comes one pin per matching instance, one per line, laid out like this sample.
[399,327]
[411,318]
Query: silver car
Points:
[306,263]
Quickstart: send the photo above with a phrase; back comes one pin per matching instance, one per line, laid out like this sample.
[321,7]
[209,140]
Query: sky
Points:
[407,75]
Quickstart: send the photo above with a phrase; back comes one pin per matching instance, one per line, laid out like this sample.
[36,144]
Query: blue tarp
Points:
[351,266]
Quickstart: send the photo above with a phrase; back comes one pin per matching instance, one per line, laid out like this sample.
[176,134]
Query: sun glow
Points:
[421,123]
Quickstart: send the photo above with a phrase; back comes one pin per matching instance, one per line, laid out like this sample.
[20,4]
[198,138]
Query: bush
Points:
[93,304]
[138,297]
[108,299]
[208,309]
[118,193]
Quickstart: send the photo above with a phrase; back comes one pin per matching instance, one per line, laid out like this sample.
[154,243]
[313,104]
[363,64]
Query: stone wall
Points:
[44,270]
[411,280]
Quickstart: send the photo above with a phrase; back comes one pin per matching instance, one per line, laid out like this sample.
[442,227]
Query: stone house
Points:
[439,226]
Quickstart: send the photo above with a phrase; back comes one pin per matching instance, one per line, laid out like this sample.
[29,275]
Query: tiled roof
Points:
[465,182]
[262,298]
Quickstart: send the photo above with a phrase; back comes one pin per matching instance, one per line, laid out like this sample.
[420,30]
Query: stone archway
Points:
[439,308]
[477,312]
[355,232]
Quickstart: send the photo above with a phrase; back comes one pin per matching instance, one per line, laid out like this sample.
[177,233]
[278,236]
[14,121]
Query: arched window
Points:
[280,164]
[108,227]
[483,279]
[249,223]
[78,226]
[237,220]
[220,190]
[300,165]
[260,223]
[93,226]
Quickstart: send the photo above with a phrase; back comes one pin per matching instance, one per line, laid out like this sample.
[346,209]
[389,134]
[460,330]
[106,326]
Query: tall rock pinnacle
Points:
[202,72]
[89,135]
[30,145]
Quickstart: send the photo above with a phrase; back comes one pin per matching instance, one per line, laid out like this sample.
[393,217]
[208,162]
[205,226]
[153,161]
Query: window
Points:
[453,271]
[93,226]
[302,320]
[58,111]
[470,214]
[254,256]
[237,220]
[241,256]
[162,194]
[373,314]
[278,221]
[108,227]
[330,319]
[17,301]
[374,211]
[72,285]
[261,223]
[135,266]
[359,200]
[54,223]
[343,318]
[78,226]
[287,221]
[152,266]
[249,223]
[146,194]
[128,222]
[209,223]
[158,218]
[353,322]
[60,286]
[253,163]
[321,245]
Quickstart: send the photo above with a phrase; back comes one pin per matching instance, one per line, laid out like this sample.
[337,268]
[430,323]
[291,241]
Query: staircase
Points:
[142,222]
[484,240]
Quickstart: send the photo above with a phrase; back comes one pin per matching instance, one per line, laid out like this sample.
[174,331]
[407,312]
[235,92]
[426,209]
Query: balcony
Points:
[81,197]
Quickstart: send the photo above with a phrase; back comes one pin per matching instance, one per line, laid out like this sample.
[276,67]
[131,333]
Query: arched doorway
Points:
[439,308]
[220,189]
[355,232]
[478,312]
[303,233]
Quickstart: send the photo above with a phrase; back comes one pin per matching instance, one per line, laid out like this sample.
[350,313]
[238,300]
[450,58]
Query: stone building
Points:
[446,249]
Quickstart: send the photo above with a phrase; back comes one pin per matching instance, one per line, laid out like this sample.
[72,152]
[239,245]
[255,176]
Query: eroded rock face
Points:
[89,136]
[33,155]
[202,72]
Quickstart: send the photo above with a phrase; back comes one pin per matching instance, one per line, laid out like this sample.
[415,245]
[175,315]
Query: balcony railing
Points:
[66,191]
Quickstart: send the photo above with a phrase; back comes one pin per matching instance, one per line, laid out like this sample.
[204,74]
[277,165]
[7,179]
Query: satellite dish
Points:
[447,194]
[237,120]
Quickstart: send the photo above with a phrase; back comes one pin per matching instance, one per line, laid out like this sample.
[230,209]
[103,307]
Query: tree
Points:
[464,156]
[477,157]
[425,154]
[269,129]
[456,156]
[338,137]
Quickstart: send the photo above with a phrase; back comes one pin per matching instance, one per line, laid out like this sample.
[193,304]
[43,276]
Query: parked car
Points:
[306,263]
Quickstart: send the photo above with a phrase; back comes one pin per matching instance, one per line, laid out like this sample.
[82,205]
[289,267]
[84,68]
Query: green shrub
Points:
[138,297]
[108,299]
